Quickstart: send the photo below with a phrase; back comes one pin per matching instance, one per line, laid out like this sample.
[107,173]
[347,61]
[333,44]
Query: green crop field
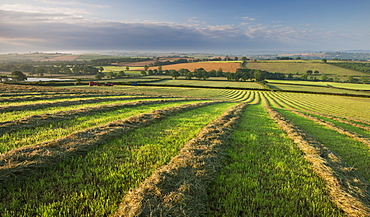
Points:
[251,85]
[301,66]
[182,151]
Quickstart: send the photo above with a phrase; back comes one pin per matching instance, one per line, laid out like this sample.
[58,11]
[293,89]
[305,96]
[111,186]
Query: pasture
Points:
[301,66]
[172,151]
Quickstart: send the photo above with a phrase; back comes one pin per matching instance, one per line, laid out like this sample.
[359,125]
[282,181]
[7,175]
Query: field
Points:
[209,83]
[172,151]
[228,66]
[301,66]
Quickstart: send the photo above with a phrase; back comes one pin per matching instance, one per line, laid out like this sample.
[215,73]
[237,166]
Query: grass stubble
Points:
[347,188]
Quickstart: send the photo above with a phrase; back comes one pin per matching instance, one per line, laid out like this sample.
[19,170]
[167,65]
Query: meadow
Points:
[301,66]
[172,151]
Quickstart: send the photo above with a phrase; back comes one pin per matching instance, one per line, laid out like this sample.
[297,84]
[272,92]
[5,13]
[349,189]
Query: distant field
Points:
[208,66]
[314,89]
[340,85]
[251,85]
[294,66]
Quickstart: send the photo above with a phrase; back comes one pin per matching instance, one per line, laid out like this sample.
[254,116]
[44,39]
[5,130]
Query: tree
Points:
[112,74]
[309,72]
[350,79]
[324,77]
[259,76]
[143,73]
[121,74]
[219,73]
[18,76]
[364,79]
[127,68]
[324,60]
[146,67]
[189,75]
[99,75]
[290,76]
[316,72]
[174,74]
[304,77]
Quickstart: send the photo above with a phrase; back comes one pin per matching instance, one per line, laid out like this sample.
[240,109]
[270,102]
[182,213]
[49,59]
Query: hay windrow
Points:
[332,126]
[19,163]
[179,188]
[36,120]
[349,190]
[63,103]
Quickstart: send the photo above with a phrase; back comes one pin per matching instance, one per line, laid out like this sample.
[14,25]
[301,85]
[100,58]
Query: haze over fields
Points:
[183,26]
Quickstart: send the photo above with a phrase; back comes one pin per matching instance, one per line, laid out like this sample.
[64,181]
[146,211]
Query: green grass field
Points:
[252,85]
[301,66]
[80,156]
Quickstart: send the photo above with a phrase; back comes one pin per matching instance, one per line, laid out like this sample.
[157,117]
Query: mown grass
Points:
[323,83]
[315,89]
[14,115]
[338,106]
[165,91]
[356,154]
[266,175]
[54,100]
[54,130]
[94,185]
[210,83]
[345,126]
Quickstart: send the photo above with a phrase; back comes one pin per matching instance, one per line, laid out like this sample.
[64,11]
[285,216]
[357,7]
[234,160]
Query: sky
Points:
[202,26]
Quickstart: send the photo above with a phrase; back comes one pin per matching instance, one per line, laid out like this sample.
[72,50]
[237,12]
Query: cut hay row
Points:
[54,130]
[179,188]
[359,130]
[338,129]
[347,188]
[66,102]
[53,96]
[329,105]
[36,120]
[18,163]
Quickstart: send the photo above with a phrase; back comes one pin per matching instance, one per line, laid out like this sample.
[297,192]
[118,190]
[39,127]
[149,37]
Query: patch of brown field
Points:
[62,58]
[180,187]
[348,190]
[36,120]
[20,163]
[208,66]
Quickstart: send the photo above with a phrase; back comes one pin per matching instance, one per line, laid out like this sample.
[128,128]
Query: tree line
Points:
[361,67]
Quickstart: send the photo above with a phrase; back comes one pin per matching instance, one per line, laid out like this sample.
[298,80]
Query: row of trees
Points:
[361,67]
[241,74]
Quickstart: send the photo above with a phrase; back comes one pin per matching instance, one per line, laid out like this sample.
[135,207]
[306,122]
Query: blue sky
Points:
[230,27]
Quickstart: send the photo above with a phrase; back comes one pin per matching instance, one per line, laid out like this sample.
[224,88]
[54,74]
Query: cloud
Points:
[55,29]
[248,18]
[72,3]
